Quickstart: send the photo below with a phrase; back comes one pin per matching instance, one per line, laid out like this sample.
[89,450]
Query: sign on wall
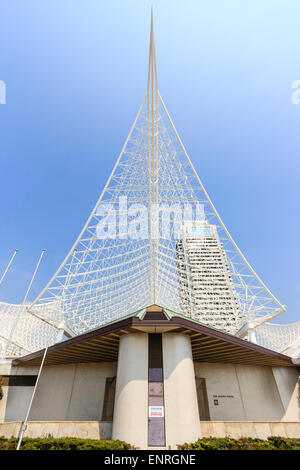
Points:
[156,411]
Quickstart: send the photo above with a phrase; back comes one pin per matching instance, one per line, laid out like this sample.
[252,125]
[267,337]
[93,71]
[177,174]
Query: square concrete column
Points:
[5,369]
[181,407]
[287,381]
[130,422]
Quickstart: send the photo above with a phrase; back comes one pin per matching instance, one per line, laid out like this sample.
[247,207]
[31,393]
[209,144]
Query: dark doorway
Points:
[109,399]
[202,399]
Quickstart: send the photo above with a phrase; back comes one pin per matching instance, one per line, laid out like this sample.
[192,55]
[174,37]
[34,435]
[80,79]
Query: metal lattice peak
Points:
[154,237]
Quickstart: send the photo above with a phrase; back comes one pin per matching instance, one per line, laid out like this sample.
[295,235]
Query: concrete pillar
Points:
[131,400]
[251,333]
[181,407]
[287,381]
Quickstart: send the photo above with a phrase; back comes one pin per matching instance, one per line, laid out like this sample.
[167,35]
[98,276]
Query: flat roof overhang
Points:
[208,344]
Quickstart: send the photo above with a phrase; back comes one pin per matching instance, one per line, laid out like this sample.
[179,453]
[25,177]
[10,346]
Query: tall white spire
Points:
[109,274]
[153,170]
[152,71]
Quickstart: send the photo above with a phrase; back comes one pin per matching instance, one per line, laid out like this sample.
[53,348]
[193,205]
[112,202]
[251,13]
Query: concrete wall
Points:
[73,392]
[81,429]
[251,400]
[103,430]
[250,393]
[254,429]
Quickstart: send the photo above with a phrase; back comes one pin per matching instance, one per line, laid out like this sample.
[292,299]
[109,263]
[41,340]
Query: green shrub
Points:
[67,443]
[227,443]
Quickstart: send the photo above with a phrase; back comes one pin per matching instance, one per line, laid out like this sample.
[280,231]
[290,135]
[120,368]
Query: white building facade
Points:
[207,292]
[153,380]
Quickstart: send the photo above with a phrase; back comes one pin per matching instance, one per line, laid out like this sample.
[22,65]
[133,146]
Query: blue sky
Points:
[75,73]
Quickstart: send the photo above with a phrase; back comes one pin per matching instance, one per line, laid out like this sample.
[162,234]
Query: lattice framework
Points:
[106,278]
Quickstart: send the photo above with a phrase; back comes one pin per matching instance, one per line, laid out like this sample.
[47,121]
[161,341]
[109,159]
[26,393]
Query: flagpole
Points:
[8,266]
[23,302]
[24,424]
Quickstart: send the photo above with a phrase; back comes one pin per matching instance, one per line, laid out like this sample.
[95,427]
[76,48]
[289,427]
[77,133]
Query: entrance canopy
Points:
[208,344]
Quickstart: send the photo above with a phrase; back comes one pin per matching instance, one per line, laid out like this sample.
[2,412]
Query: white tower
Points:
[207,292]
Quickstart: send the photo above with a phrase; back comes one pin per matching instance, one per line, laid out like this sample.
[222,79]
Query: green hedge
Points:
[210,443]
[67,443]
[227,443]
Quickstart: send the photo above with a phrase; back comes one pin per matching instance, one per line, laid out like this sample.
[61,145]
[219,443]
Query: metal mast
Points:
[153,169]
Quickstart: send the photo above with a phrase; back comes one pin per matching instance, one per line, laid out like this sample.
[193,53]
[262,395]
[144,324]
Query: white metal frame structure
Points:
[22,333]
[107,275]
[281,338]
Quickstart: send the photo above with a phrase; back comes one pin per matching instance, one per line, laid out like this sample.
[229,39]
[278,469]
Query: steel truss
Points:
[105,278]
[281,338]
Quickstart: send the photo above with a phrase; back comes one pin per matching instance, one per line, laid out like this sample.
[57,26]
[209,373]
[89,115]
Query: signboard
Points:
[156,411]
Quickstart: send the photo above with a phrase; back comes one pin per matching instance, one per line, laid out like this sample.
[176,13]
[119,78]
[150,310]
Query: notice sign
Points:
[156,411]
